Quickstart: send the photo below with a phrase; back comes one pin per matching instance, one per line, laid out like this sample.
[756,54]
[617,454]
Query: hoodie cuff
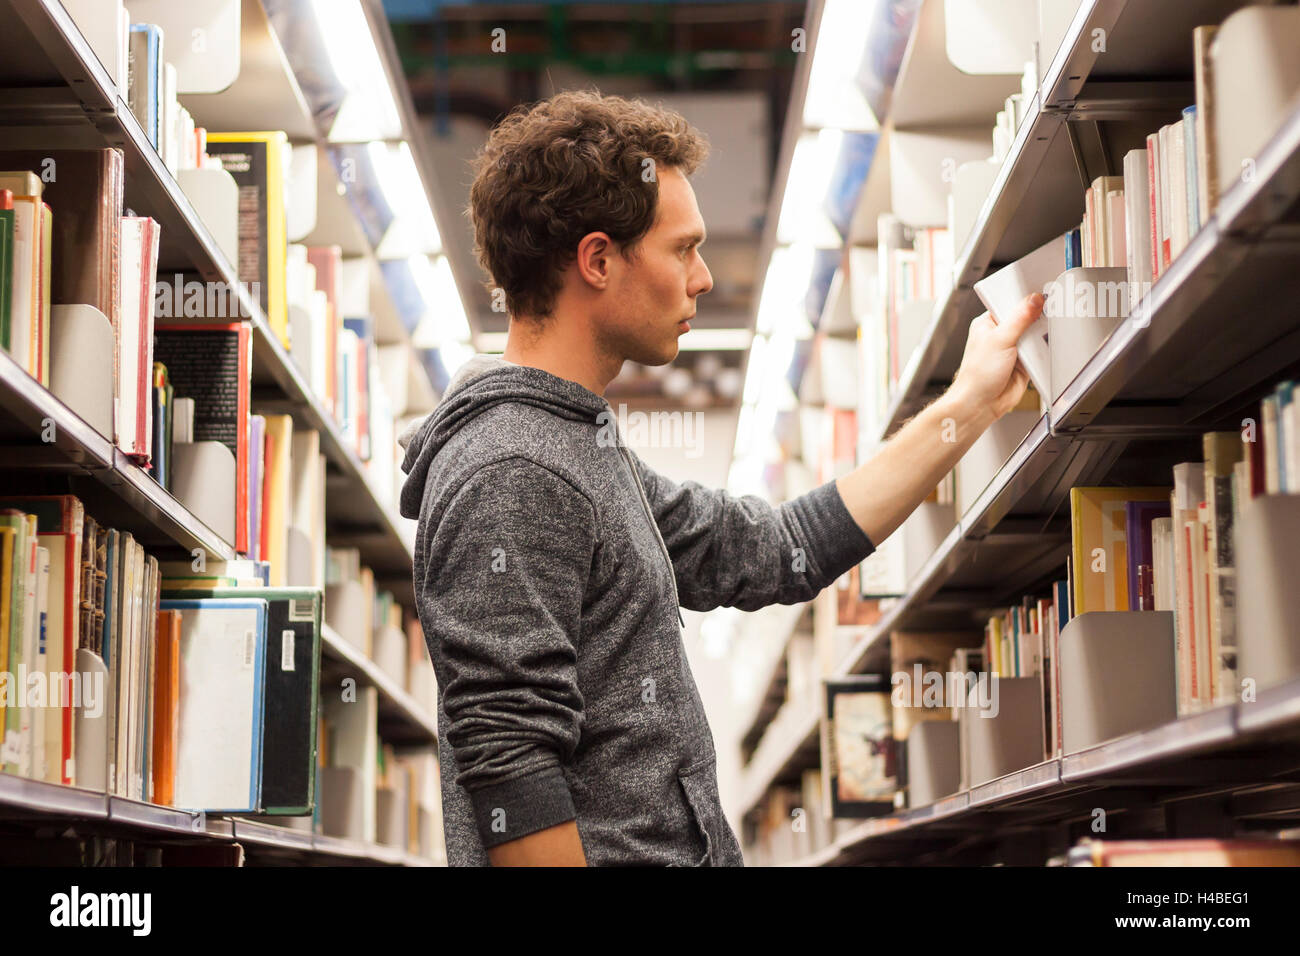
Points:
[515,808]
[838,541]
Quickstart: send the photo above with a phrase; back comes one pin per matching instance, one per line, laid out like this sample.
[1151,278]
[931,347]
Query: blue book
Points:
[1073,249]
[145,70]
[222,703]
[1193,189]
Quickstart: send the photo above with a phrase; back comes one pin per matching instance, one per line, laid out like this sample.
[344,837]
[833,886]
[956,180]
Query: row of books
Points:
[374,622]
[372,791]
[792,823]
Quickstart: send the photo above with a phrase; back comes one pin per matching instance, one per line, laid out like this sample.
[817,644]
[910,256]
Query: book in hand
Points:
[1003,292]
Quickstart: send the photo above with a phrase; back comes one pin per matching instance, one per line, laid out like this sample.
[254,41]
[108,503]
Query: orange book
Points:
[166,706]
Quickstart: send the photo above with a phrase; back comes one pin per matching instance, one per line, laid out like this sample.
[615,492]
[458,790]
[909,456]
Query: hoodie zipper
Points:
[645,503]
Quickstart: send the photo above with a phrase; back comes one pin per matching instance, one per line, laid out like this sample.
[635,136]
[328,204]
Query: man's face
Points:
[652,292]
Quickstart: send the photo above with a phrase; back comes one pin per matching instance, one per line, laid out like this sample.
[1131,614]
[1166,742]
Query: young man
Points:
[551,563]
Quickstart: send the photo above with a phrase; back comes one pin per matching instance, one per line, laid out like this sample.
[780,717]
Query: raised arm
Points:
[730,551]
[503,605]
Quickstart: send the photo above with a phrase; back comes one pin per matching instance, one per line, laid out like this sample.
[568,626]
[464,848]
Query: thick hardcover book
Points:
[256,161]
[221,724]
[213,365]
[291,690]
[83,187]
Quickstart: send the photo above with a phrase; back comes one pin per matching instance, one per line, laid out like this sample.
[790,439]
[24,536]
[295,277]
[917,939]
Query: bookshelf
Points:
[1175,367]
[95,115]
[57,94]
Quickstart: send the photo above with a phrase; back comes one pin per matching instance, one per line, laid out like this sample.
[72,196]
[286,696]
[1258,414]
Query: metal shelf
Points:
[395,704]
[68,69]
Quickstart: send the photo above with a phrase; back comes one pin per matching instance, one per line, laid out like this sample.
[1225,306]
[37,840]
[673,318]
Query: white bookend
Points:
[354,731]
[203,479]
[1137,231]
[1117,675]
[1256,74]
[922,167]
[100,22]
[215,197]
[92,722]
[300,192]
[80,335]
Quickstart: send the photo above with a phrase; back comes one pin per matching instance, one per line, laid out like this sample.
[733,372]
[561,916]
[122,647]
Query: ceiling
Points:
[727,66]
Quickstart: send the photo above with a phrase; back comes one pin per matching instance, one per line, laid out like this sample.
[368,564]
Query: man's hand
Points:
[990,375]
[889,487]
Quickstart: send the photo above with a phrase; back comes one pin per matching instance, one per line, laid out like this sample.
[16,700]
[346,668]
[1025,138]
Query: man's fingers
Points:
[1015,325]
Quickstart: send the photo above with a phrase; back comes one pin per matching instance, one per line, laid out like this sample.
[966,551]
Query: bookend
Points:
[1268,601]
[1117,675]
[80,337]
[1074,335]
[1006,738]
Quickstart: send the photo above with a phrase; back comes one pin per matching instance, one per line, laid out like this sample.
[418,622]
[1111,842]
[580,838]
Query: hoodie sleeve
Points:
[730,551]
[502,601]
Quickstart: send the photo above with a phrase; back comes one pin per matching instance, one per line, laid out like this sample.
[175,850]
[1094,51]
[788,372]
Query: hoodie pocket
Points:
[698,782]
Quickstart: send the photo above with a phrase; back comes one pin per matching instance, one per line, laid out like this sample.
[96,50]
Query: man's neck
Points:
[564,349]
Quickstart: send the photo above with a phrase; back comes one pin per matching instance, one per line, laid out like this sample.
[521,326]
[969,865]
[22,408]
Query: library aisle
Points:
[975,466]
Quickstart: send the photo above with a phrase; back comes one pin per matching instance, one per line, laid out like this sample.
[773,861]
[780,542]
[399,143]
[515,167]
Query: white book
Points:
[1165,228]
[183,420]
[222,661]
[1003,291]
[128,338]
[1177,183]
[1137,232]
[1206,675]
[1116,229]
[1269,427]
[1161,558]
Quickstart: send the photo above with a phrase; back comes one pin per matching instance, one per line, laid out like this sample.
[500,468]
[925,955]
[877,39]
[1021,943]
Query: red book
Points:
[1153,196]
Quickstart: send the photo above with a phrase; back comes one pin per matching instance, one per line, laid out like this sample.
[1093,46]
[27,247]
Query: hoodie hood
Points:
[484,382]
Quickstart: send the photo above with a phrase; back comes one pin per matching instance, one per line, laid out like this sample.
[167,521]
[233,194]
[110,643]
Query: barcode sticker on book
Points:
[300,609]
[286,650]
[248,648]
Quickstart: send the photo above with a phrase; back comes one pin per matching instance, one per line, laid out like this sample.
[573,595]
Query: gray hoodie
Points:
[550,564]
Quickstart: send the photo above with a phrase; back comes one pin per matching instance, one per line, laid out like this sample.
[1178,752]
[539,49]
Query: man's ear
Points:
[595,250]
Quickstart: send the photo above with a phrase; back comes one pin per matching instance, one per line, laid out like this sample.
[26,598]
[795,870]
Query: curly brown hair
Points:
[565,167]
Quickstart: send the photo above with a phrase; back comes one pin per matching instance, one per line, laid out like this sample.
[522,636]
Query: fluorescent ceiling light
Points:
[413,229]
[444,318]
[833,98]
[803,219]
[785,286]
[369,110]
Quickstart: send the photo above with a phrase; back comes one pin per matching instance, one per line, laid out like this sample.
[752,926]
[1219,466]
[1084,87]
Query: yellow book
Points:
[1099,545]
[257,161]
[279,431]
